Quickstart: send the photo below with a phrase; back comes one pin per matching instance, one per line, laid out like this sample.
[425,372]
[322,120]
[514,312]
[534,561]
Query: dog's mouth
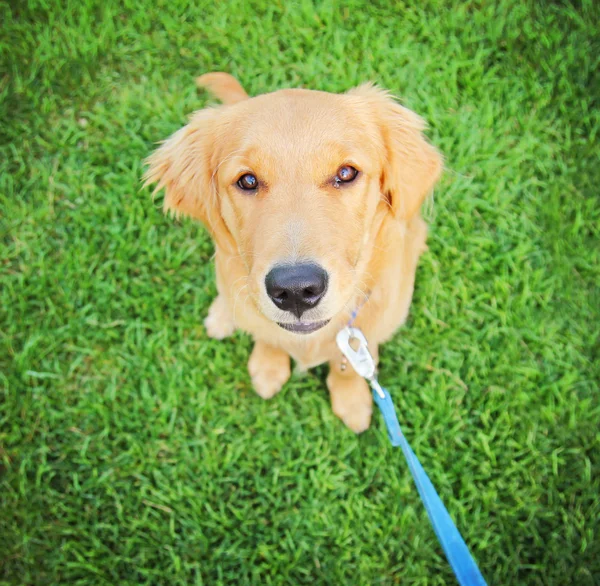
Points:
[302,327]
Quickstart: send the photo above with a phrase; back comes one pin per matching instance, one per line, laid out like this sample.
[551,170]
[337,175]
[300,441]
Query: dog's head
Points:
[293,182]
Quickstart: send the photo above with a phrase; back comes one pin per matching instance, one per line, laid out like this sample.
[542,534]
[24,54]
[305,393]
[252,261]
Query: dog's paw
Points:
[219,324]
[351,401]
[269,369]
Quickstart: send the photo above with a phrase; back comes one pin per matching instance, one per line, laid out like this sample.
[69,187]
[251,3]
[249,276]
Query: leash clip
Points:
[354,346]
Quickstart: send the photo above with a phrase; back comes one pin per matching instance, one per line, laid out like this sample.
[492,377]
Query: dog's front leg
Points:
[350,396]
[219,322]
[269,368]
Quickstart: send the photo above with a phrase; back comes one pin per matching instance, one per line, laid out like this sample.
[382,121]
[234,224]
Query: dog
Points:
[313,202]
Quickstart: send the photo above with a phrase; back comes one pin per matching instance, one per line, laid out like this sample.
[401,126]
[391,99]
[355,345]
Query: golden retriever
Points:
[313,201]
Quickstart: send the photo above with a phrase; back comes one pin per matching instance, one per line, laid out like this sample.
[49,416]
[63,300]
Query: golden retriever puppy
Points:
[313,201]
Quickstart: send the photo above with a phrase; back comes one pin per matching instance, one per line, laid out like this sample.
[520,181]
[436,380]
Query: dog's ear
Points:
[184,166]
[411,166]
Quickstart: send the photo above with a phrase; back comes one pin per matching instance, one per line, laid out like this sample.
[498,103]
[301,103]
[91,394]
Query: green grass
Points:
[133,449]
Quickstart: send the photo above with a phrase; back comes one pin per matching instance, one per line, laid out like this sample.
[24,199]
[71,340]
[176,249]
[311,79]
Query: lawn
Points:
[132,447]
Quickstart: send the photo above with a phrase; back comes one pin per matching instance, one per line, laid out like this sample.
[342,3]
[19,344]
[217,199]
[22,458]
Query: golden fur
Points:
[368,235]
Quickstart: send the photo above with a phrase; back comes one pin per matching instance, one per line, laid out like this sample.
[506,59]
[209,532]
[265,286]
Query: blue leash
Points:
[465,569]
[456,550]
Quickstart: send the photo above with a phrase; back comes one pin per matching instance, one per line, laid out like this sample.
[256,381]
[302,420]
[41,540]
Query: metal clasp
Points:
[354,346]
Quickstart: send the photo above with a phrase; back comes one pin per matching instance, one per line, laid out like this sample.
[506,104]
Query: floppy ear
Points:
[411,166]
[184,165]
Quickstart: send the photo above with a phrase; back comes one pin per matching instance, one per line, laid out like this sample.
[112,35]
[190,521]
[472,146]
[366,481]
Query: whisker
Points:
[238,279]
[237,298]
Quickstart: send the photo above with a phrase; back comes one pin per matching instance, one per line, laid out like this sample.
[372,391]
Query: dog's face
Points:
[293,182]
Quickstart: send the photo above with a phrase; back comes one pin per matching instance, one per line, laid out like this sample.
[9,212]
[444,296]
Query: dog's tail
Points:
[223,86]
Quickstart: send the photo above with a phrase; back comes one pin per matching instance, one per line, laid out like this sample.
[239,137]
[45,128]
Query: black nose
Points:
[296,288]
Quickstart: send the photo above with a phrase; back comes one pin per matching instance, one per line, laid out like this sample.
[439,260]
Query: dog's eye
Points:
[345,174]
[248,182]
